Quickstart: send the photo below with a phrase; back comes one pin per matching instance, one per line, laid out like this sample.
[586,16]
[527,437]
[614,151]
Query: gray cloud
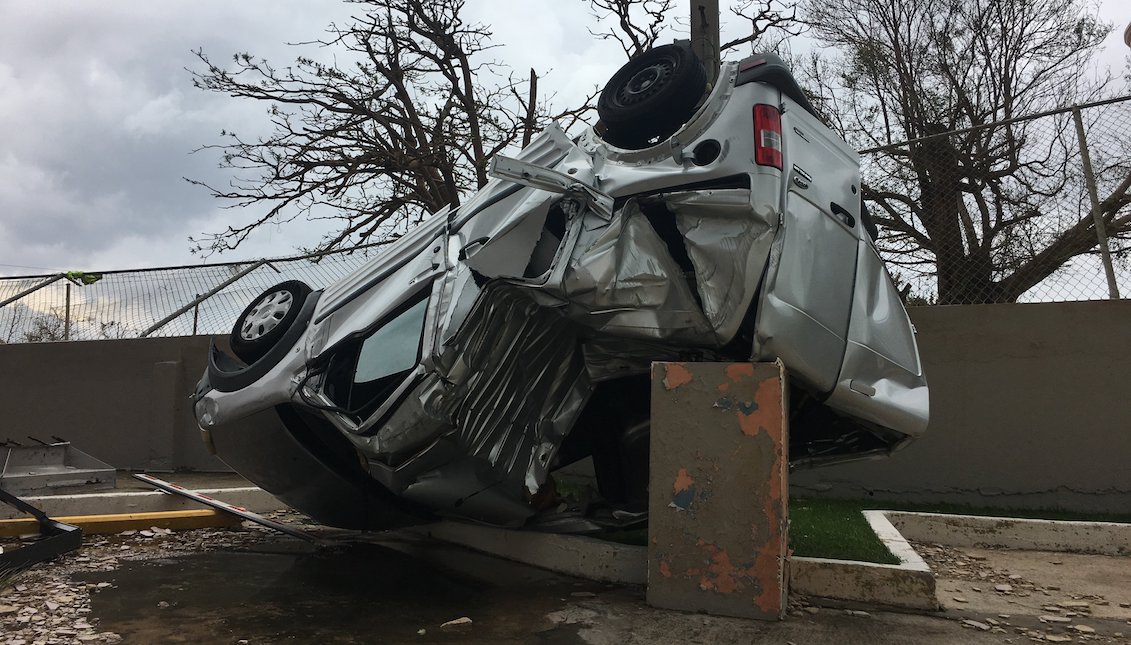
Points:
[98,116]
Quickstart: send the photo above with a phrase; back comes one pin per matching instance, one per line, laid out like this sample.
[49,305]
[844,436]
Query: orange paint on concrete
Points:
[676,375]
[768,415]
[683,481]
[766,565]
[768,397]
[737,371]
[665,569]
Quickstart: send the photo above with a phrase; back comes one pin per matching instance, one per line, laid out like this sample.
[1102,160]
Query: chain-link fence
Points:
[1032,209]
[176,301]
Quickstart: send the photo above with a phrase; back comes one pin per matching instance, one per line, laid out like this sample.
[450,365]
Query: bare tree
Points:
[405,128]
[770,23]
[635,24]
[981,209]
[45,328]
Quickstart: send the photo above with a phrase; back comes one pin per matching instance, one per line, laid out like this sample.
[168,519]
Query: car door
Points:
[808,298]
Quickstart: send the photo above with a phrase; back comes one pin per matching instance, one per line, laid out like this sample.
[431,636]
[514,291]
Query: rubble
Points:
[47,605]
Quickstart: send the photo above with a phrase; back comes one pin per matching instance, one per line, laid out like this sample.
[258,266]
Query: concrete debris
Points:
[459,623]
[1055,638]
[50,606]
[976,625]
[1046,618]
[1084,629]
[1003,588]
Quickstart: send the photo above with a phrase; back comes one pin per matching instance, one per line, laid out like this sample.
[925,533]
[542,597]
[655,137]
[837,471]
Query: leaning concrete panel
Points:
[718,495]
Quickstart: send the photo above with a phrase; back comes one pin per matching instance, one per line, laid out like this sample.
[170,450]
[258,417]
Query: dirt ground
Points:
[251,586]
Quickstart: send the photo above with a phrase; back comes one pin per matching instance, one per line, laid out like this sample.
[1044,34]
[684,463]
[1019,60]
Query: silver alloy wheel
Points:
[266,315]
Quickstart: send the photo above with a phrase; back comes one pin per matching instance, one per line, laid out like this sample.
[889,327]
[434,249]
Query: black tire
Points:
[266,319]
[652,96]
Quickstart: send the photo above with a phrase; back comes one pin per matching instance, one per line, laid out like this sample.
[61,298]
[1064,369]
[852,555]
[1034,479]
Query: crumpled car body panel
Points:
[579,264]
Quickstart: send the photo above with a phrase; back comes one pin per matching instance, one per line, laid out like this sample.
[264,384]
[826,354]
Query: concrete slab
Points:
[1041,594]
[1104,538]
[717,527]
[574,555]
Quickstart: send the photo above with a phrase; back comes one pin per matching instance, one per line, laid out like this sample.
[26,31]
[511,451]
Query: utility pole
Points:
[705,35]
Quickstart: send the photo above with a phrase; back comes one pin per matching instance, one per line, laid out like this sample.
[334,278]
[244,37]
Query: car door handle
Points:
[479,241]
[843,214]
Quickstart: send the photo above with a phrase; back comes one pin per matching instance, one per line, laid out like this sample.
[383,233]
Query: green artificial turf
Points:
[836,529]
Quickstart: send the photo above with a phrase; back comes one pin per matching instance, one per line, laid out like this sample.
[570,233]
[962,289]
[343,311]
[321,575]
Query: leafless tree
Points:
[637,25]
[45,328]
[983,209]
[769,23]
[404,128]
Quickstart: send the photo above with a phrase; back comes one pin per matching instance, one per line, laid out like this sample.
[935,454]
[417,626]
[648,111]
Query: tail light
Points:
[767,136]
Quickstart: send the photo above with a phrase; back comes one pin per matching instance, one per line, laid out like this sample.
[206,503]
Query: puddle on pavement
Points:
[288,591]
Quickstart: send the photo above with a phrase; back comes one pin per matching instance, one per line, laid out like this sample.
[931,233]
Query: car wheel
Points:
[652,96]
[266,319]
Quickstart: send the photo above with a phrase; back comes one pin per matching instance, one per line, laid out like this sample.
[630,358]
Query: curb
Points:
[109,524]
[909,585]
[1103,538]
[574,555]
[114,503]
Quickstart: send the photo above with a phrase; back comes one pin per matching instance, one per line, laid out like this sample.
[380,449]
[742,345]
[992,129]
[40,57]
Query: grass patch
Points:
[829,528]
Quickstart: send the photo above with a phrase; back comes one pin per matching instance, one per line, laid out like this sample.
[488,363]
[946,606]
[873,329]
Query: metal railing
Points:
[168,301]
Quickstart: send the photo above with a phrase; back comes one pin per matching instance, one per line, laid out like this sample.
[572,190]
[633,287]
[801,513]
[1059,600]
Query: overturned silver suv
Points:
[509,337]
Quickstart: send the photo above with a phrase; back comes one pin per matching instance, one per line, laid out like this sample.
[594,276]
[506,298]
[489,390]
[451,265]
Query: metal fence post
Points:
[67,315]
[196,314]
[1090,180]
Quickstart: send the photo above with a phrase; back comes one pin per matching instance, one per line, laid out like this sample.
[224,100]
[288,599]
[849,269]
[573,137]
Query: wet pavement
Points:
[362,592]
[251,586]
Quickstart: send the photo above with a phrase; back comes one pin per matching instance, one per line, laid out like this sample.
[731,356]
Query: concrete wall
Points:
[1030,408]
[122,401]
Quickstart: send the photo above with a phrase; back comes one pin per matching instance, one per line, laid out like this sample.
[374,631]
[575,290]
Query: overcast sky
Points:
[98,116]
